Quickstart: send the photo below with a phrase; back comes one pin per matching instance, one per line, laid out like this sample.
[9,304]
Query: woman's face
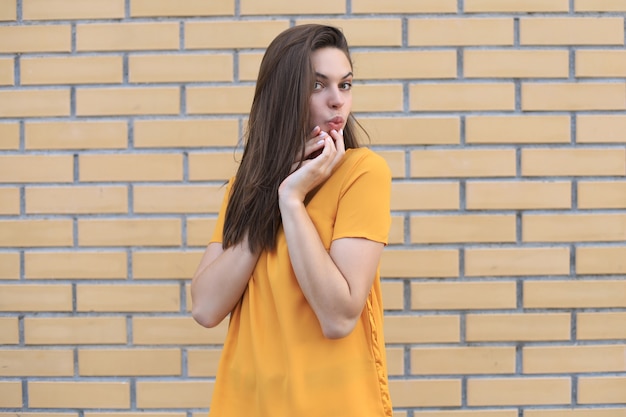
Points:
[331,100]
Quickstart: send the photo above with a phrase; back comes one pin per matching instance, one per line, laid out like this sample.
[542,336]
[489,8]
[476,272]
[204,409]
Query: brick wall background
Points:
[502,120]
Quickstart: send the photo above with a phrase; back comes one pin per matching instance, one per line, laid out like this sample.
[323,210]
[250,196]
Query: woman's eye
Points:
[317,85]
[346,86]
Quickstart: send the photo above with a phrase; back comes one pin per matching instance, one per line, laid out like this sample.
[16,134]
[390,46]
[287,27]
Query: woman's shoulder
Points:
[364,158]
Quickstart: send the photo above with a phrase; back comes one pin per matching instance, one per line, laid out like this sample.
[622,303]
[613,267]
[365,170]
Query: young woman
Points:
[294,258]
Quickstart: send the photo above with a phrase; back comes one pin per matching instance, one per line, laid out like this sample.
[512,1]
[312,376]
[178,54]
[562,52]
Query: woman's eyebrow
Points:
[324,77]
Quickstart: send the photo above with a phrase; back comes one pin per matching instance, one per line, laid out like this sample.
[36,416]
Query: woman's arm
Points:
[336,283]
[220,281]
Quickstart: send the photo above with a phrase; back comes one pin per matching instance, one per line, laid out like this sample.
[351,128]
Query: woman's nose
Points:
[336,99]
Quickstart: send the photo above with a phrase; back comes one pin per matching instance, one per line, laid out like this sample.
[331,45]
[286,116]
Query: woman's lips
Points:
[336,123]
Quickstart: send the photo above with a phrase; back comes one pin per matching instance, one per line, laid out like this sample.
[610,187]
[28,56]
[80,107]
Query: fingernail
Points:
[341,132]
[334,131]
[320,142]
[323,134]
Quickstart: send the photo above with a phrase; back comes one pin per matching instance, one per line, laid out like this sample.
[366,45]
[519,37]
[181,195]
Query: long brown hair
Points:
[277,129]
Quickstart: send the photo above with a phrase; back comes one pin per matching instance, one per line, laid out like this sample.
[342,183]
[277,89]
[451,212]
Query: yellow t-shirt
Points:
[276,362]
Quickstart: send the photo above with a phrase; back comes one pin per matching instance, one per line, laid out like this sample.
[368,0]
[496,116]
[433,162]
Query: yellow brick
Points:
[574,294]
[232,34]
[512,6]
[413,130]
[131,167]
[99,134]
[34,103]
[463,163]
[592,227]
[71,70]
[75,265]
[72,9]
[78,394]
[600,5]
[573,96]
[515,64]
[601,390]
[365,32]
[165,265]
[377,98]
[203,362]
[174,394]
[601,326]
[9,136]
[8,10]
[9,265]
[11,394]
[426,393]
[249,64]
[36,233]
[468,413]
[569,162]
[36,362]
[420,263]
[129,232]
[599,194]
[402,6]
[127,36]
[576,412]
[6,71]
[396,231]
[517,327]
[393,295]
[460,31]
[127,101]
[463,228]
[518,195]
[74,330]
[136,414]
[9,201]
[210,167]
[278,7]
[518,391]
[462,360]
[600,128]
[517,261]
[192,8]
[396,161]
[9,331]
[405,65]
[44,297]
[463,295]
[128,298]
[180,68]
[517,129]
[187,133]
[573,359]
[72,199]
[36,168]
[462,97]
[572,31]
[598,63]
[175,331]
[35,38]
[422,329]
[601,260]
[395,361]
[199,231]
[219,100]
[129,362]
[177,199]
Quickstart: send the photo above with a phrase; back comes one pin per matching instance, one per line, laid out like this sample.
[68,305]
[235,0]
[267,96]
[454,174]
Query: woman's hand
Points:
[321,154]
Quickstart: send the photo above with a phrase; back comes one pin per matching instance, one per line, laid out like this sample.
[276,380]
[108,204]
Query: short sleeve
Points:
[218,233]
[364,203]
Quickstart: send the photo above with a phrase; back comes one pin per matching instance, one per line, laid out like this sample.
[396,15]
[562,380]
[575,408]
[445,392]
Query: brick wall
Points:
[503,123]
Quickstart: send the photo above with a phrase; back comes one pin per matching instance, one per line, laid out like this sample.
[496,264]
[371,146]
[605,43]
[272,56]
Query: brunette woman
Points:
[295,255]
